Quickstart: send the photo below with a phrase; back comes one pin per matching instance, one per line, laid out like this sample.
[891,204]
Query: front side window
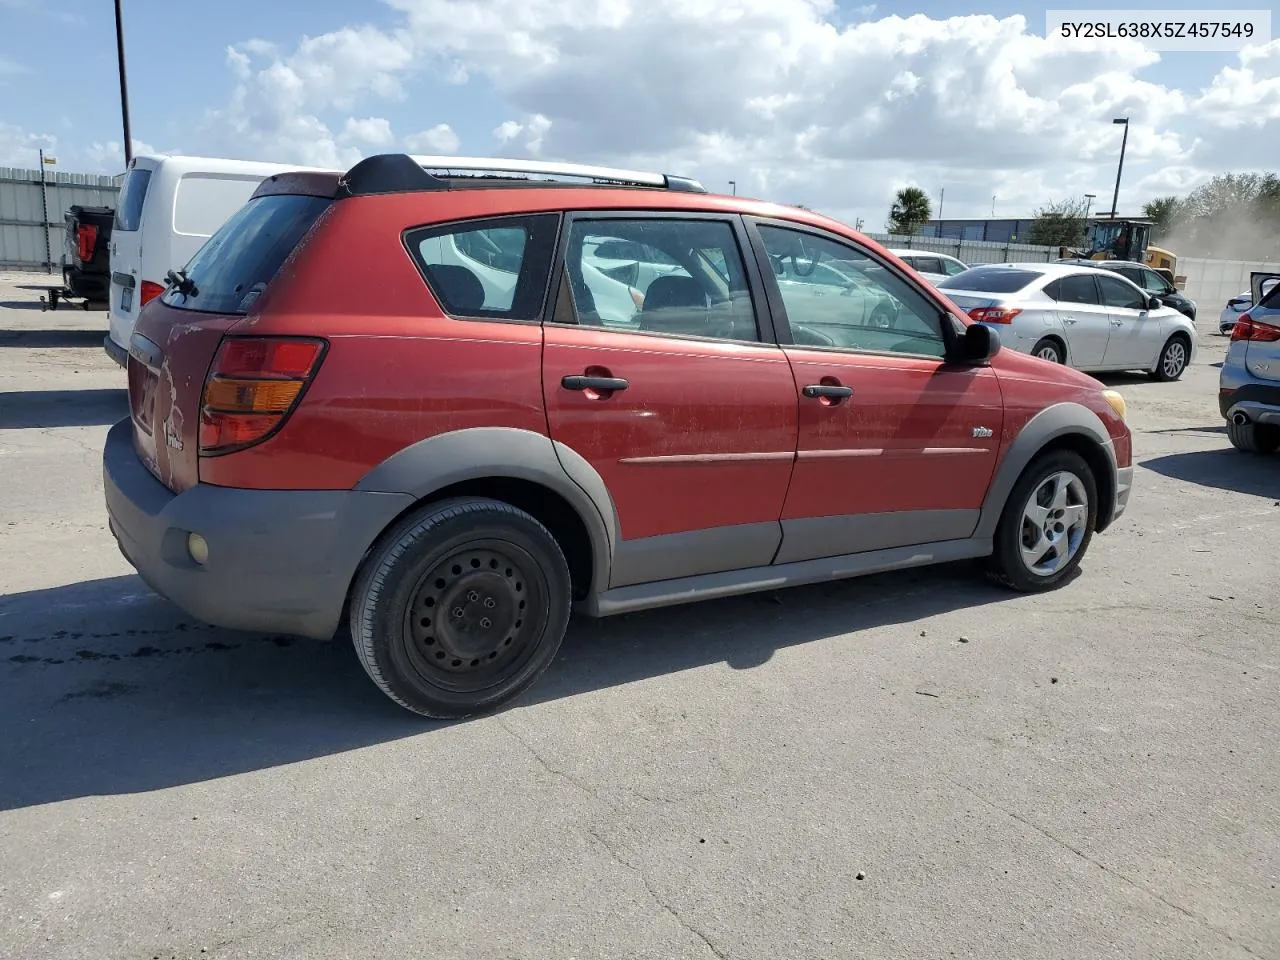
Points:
[837,296]
[1117,293]
[682,277]
[953,267]
[488,269]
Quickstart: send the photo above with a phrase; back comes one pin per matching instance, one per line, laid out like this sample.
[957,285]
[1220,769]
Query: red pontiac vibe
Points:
[450,400]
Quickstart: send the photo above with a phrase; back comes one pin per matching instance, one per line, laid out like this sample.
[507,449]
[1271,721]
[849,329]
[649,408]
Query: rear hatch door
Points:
[1261,352]
[177,335]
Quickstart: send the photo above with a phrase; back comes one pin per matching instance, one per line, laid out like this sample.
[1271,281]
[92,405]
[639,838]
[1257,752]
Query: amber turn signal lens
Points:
[251,396]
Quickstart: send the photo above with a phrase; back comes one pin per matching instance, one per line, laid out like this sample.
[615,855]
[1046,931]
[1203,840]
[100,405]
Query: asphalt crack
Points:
[655,896]
[1103,867]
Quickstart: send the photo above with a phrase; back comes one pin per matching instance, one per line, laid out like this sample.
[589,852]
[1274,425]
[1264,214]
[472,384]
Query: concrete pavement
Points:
[913,765]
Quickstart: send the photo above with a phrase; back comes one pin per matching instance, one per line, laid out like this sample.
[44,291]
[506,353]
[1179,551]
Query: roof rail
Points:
[399,173]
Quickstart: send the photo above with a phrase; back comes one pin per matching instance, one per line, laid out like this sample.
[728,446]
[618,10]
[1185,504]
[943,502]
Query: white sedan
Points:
[934,267]
[1087,318]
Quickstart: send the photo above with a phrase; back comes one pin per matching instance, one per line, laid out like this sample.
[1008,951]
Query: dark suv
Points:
[445,406]
[1147,279]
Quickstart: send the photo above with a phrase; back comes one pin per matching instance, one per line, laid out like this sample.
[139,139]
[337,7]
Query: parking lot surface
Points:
[913,765]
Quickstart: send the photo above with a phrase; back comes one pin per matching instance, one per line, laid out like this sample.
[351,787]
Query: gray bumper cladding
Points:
[278,560]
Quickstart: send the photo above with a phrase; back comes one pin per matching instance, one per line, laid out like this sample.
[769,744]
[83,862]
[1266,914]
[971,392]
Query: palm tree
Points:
[1164,213]
[910,211]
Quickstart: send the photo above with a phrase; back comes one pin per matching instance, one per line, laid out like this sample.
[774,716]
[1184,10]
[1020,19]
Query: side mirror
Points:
[979,344]
[1154,303]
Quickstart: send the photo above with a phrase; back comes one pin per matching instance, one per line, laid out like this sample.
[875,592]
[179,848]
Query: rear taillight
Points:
[86,240]
[1247,328]
[149,292]
[993,314]
[252,387]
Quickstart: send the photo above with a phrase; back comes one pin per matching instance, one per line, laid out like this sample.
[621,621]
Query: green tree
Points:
[911,210]
[1165,214]
[1059,224]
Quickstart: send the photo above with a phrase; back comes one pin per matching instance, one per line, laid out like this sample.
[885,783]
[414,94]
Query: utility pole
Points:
[1115,199]
[942,195]
[44,213]
[993,207]
[124,88]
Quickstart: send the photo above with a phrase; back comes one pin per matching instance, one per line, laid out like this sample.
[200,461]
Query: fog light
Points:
[198,548]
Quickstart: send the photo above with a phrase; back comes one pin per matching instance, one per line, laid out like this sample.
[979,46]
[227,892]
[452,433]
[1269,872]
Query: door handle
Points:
[1069,320]
[599,384]
[831,391]
[1117,323]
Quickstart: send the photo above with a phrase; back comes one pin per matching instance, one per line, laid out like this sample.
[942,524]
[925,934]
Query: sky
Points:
[835,105]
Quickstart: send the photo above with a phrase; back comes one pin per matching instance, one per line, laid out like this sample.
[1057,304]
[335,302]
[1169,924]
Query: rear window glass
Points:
[132,194]
[235,265]
[990,280]
[205,202]
[495,269]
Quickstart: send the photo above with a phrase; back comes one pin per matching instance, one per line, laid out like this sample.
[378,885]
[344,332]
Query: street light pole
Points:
[124,88]
[734,185]
[1115,198]
[942,195]
[993,207]
[1088,203]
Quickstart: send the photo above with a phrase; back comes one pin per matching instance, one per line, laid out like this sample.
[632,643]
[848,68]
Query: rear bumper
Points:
[116,352]
[1260,402]
[279,560]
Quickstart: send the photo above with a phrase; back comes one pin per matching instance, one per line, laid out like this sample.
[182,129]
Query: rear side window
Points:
[234,267]
[204,202]
[488,269]
[1076,288]
[990,280]
[133,192]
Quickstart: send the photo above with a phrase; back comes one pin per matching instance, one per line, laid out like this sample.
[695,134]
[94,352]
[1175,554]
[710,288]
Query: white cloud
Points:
[371,131]
[21,148]
[440,139]
[108,156]
[778,95]
[531,134]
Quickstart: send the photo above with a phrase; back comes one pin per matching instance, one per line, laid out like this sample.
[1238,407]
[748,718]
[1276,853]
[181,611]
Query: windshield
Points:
[234,267]
[132,194]
[990,280]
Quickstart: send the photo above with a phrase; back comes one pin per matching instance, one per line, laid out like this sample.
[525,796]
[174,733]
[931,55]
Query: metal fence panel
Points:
[970,251]
[22,220]
[1211,283]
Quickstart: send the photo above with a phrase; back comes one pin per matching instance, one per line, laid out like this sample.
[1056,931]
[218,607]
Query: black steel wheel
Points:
[461,608]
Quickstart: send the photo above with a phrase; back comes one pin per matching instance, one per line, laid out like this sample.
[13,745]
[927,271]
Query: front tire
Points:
[1173,359]
[1047,523]
[1049,349]
[1254,437]
[461,607]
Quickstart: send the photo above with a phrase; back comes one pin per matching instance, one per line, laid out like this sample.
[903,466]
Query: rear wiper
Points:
[179,280]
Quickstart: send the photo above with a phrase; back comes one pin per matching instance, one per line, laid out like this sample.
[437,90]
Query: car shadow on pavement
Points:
[62,408]
[22,304]
[53,338]
[1225,469]
[110,690]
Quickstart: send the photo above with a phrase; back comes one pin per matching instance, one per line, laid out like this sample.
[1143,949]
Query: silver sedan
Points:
[1088,318]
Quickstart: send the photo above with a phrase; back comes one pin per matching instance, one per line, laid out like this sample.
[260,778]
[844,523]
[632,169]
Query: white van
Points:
[168,207]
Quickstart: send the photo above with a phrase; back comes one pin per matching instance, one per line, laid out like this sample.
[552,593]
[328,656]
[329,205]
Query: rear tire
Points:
[1254,437]
[1049,349]
[461,607]
[1173,360]
[1047,523]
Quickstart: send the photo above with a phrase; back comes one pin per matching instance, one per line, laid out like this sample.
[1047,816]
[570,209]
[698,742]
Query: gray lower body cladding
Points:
[278,560]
